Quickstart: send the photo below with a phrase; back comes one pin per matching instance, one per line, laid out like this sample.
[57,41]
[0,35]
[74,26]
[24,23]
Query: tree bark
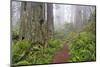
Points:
[50,23]
[34,26]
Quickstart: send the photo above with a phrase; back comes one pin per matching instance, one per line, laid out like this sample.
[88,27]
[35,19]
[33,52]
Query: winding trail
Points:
[62,55]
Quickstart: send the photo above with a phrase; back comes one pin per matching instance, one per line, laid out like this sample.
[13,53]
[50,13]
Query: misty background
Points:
[62,13]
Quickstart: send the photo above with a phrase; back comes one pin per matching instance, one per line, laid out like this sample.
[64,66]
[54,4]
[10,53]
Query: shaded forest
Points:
[44,33]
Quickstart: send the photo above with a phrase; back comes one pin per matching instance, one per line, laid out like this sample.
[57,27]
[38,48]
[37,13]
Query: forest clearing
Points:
[48,33]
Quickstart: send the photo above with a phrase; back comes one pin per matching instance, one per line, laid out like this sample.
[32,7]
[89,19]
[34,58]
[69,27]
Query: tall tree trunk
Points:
[26,21]
[34,26]
[78,17]
[29,21]
[22,21]
[50,23]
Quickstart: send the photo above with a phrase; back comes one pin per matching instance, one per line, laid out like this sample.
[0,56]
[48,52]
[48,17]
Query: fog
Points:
[69,14]
[62,13]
